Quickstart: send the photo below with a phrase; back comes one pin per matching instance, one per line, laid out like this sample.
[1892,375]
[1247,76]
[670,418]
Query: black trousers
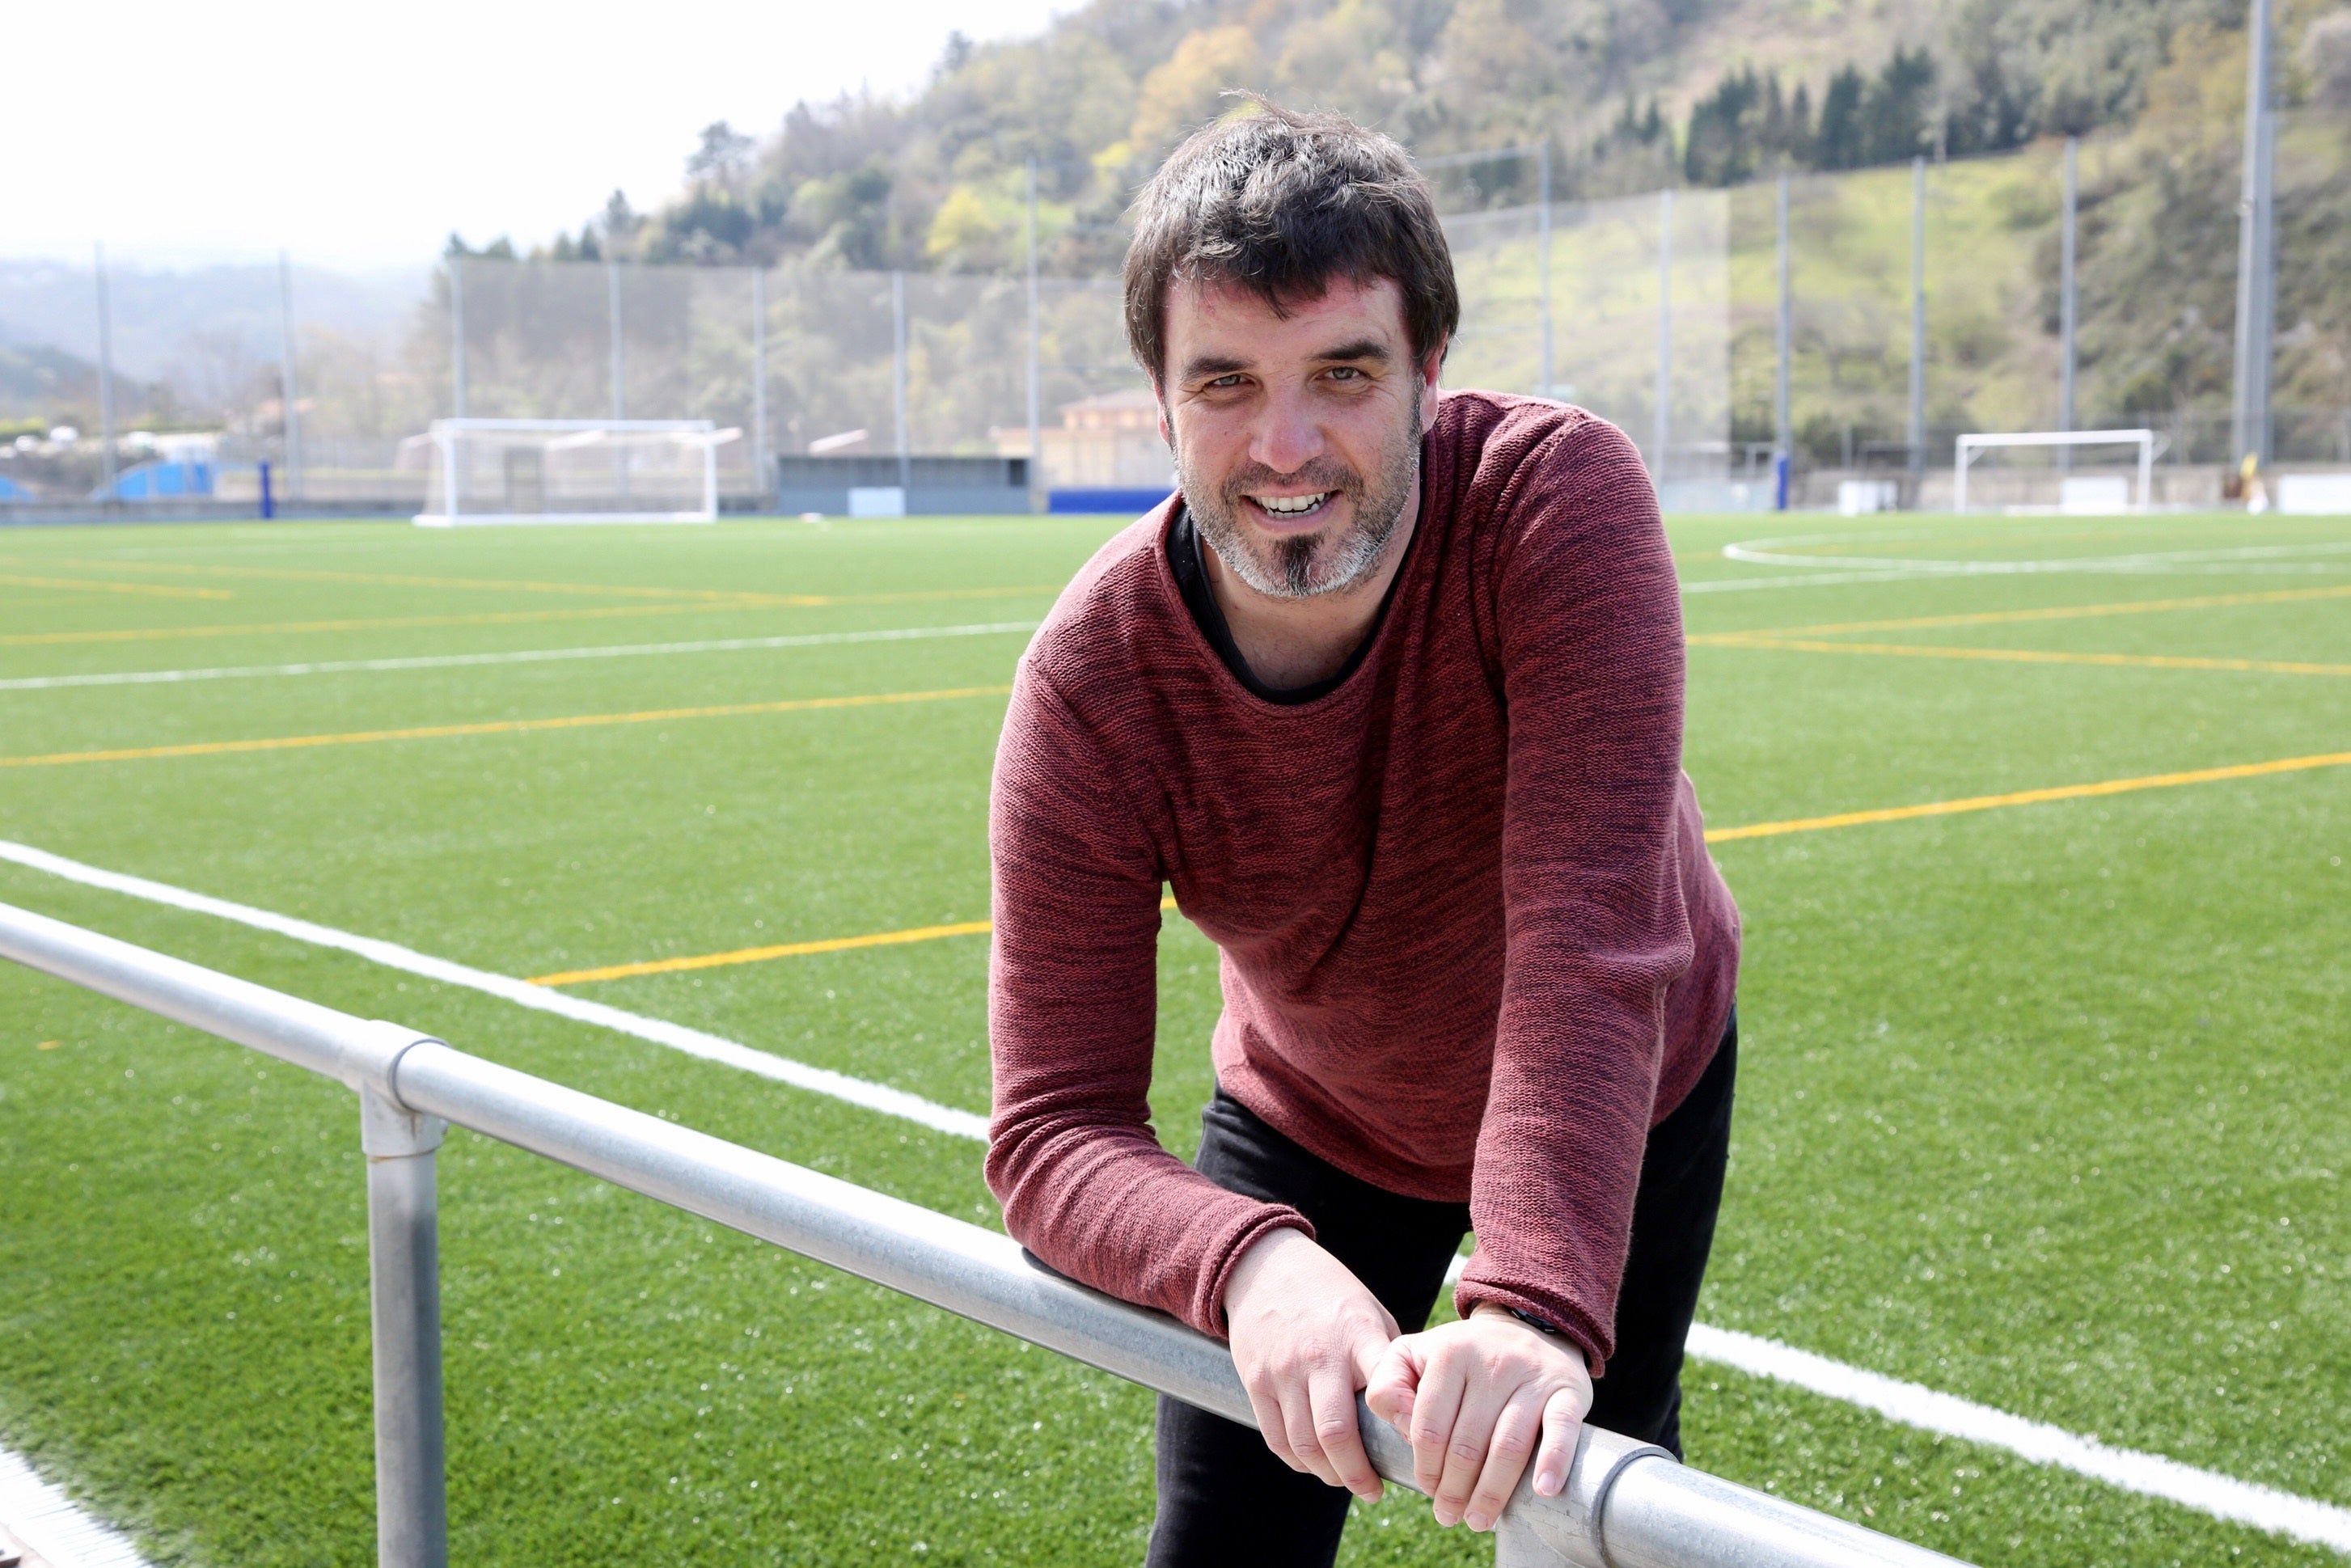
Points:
[1225,1501]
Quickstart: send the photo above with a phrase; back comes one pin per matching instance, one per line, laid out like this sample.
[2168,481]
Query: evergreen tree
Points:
[1842,143]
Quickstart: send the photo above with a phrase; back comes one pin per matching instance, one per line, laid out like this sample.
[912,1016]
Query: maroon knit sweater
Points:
[1473,946]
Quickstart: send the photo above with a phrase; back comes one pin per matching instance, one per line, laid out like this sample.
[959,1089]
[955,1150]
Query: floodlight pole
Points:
[1918,317]
[289,385]
[1542,165]
[105,373]
[761,477]
[898,376]
[2250,435]
[1664,423]
[1035,368]
[1783,418]
[457,334]
[2066,298]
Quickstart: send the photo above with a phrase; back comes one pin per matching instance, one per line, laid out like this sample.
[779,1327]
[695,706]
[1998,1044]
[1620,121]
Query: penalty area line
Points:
[2223,1497]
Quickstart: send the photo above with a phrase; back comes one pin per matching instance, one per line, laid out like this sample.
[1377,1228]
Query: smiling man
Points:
[1390,694]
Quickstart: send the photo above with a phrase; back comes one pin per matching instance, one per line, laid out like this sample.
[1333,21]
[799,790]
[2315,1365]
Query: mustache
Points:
[1321,474]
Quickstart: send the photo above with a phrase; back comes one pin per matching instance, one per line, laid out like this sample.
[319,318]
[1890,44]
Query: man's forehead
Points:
[1221,309]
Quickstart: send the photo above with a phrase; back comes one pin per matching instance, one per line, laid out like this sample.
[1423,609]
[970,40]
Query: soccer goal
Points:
[2089,493]
[572,471]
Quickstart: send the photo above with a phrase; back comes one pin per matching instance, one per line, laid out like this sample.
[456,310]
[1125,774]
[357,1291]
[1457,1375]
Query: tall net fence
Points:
[1658,311]
[1620,306]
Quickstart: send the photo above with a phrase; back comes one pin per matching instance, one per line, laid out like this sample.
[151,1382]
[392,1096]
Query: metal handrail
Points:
[1626,1504]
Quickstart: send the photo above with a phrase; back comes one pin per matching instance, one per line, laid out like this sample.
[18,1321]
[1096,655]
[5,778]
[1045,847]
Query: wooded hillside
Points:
[1630,94]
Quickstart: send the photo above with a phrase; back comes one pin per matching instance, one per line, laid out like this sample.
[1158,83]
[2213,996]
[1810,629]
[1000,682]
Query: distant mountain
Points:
[163,320]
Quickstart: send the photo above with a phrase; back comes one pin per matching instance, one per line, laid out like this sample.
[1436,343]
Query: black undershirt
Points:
[1191,571]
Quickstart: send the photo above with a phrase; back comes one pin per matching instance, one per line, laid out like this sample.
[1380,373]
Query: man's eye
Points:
[1345,374]
[1226,381]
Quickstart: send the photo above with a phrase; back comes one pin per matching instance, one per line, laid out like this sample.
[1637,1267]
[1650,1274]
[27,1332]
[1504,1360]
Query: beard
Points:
[1329,560]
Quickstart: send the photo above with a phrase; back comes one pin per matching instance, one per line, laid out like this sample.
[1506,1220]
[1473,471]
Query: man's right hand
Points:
[1306,1334]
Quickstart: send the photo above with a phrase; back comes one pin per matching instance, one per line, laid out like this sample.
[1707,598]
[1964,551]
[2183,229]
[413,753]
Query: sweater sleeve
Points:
[1072,1020]
[1588,620]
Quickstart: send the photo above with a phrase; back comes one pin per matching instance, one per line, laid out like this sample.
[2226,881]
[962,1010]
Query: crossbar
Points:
[1626,1504]
[1975,444]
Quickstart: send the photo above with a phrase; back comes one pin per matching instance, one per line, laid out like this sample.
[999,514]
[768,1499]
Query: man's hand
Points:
[1477,1398]
[1306,1334]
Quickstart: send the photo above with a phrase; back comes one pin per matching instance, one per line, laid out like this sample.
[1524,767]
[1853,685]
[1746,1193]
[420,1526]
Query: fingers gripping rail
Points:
[1626,1505]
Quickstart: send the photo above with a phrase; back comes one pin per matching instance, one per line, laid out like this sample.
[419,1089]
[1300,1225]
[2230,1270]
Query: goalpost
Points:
[1972,446]
[572,471]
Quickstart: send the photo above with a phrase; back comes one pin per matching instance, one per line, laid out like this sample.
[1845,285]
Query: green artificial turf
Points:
[2043,1105]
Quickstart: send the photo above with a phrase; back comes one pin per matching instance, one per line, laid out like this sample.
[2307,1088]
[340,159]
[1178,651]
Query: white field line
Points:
[2152,1475]
[517,656]
[2254,559]
[2206,1491]
[46,1520]
[677,1037]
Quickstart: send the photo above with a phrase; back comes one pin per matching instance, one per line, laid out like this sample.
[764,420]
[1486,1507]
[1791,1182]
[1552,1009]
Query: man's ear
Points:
[1431,368]
[1167,430]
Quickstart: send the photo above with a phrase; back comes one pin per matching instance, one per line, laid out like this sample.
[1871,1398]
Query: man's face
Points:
[1297,435]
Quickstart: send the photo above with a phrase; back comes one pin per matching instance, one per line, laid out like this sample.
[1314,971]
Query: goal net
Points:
[2090,493]
[571,471]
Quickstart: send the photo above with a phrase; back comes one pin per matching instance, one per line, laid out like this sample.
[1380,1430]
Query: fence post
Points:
[411,1503]
[105,374]
[1542,174]
[763,475]
[457,336]
[1917,432]
[2068,299]
[898,378]
[1036,370]
[1665,411]
[1783,416]
[289,382]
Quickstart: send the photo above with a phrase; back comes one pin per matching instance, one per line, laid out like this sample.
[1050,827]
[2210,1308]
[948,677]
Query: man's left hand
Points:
[1477,1399]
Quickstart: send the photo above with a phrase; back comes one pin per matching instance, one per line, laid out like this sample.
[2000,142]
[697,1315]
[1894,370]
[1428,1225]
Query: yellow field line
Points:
[492,617]
[782,950]
[496,727]
[2058,613]
[2030,796]
[1713,836]
[758,955]
[153,589]
[2038,656]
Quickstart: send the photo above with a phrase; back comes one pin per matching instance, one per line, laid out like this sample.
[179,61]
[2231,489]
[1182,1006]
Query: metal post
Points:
[105,373]
[1783,415]
[2066,298]
[290,385]
[1918,317]
[620,373]
[1665,417]
[762,471]
[457,335]
[411,1505]
[1542,260]
[1035,365]
[898,376]
[2249,434]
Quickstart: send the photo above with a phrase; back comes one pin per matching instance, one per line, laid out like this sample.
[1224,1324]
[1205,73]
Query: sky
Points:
[357,135]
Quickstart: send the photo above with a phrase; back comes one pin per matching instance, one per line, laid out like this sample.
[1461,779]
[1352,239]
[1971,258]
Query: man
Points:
[1391,695]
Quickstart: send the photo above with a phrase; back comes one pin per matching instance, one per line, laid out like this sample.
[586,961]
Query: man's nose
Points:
[1287,435]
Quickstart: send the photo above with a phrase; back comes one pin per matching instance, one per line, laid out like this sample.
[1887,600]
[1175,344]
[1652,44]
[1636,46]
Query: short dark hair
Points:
[1282,203]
